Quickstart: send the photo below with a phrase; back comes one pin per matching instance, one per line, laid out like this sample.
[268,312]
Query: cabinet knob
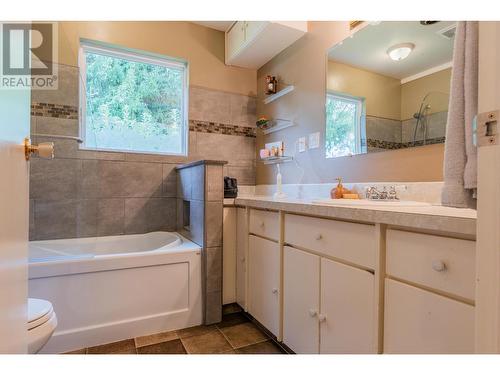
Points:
[322,318]
[313,312]
[438,266]
[262,224]
[242,260]
[274,290]
[319,236]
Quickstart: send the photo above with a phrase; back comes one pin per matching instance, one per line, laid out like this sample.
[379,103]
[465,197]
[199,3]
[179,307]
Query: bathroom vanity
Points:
[353,279]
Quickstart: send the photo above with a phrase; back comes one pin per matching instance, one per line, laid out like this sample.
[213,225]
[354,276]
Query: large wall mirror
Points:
[388,87]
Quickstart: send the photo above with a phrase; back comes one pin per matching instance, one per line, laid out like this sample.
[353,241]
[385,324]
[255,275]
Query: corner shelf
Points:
[278,124]
[279,94]
[276,159]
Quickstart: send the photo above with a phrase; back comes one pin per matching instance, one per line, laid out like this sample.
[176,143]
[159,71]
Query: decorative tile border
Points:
[375,143]
[71,112]
[386,145]
[218,128]
[54,110]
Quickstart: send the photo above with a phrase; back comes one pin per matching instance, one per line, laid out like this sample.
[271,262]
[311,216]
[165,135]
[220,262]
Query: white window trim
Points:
[359,102]
[136,56]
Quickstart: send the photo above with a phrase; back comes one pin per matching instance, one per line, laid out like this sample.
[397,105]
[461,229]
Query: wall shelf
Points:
[276,159]
[279,94]
[278,124]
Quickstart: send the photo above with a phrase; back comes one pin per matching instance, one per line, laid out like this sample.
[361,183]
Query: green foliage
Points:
[340,121]
[129,103]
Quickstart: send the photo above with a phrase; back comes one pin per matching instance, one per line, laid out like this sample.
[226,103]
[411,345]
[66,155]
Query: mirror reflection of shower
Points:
[425,114]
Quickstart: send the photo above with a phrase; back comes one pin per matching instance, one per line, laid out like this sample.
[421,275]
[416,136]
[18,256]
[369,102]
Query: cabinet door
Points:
[301,301]
[241,245]
[420,322]
[235,39]
[347,309]
[264,282]
[253,29]
[229,256]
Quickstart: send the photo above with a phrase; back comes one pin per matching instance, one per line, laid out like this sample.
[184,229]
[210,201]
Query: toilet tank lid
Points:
[37,308]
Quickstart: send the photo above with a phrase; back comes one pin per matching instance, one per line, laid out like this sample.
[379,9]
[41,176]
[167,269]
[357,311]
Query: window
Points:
[132,101]
[345,127]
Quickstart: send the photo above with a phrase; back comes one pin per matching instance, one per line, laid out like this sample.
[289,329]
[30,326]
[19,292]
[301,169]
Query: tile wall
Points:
[92,193]
[387,134]
[200,195]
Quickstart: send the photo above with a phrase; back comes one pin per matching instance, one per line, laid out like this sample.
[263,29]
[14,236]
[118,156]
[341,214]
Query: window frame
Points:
[359,127]
[133,55]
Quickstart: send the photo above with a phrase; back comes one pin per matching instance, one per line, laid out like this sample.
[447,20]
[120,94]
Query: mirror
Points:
[388,87]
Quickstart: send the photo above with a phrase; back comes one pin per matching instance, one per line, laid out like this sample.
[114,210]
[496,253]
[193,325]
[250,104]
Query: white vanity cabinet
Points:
[352,242]
[429,294]
[330,286]
[229,255]
[241,251]
[327,306]
[421,322]
[264,282]
[250,44]
[347,314]
[301,283]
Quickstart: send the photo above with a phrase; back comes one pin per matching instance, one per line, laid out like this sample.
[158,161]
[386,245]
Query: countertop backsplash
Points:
[429,192]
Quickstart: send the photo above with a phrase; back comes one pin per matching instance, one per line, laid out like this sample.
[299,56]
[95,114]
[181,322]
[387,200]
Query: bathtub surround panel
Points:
[201,184]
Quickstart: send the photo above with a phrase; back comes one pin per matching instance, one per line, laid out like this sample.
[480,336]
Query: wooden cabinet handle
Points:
[313,312]
[274,290]
[319,236]
[322,318]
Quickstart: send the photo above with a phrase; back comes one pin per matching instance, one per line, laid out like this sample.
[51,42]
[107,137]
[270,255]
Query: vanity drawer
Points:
[421,322]
[445,264]
[265,223]
[352,242]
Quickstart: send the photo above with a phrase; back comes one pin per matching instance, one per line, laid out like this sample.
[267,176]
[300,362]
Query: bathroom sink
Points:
[370,203]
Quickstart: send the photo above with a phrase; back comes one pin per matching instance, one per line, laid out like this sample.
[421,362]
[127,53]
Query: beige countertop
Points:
[434,218]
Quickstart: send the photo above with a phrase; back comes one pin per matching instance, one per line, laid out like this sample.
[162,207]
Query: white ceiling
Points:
[367,49]
[217,25]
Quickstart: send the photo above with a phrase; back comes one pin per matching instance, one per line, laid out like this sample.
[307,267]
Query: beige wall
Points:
[413,92]
[304,64]
[201,46]
[387,97]
[382,93]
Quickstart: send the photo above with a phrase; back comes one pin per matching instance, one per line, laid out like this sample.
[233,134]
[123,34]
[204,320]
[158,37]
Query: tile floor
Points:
[236,334]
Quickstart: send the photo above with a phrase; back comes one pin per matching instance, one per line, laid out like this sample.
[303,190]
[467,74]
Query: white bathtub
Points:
[106,289]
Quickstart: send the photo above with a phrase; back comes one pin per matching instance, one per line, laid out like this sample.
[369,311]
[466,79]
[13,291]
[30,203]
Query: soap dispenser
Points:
[338,192]
[279,191]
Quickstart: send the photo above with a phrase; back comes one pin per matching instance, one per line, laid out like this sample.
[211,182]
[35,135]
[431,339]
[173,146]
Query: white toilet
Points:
[42,322]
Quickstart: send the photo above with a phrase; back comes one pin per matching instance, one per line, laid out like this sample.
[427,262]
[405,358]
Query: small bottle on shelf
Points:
[271,85]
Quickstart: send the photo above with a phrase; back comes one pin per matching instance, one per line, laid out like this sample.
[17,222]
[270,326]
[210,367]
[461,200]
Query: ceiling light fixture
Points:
[401,51]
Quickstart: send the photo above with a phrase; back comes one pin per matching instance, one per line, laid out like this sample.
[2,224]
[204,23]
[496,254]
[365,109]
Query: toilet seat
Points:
[42,322]
[39,312]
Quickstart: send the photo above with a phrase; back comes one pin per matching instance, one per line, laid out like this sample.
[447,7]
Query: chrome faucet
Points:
[374,194]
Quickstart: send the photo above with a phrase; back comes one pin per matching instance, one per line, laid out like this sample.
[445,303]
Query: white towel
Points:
[460,163]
